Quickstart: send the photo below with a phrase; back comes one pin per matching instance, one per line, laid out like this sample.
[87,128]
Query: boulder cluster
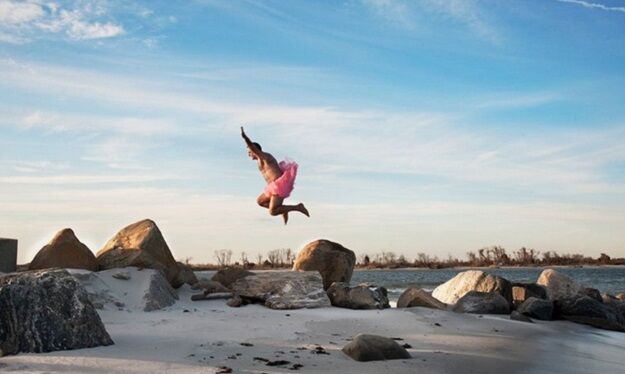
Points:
[553,296]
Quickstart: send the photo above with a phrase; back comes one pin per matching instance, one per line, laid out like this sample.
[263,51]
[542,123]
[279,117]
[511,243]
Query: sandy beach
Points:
[202,336]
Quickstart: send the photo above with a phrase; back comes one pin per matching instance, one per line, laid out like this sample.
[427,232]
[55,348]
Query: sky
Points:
[419,126]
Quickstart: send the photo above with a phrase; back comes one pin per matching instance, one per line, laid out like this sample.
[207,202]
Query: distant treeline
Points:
[490,256]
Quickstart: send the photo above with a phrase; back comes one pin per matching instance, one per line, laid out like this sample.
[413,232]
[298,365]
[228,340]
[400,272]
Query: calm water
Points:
[605,279]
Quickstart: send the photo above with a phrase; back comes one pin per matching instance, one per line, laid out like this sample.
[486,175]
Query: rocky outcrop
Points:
[558,285]
[334,262]
[473,280]
[413,297]
[588,311]
[128,288]
[45,311]
[362,296]
[537,308]
[64,251]
[482,303]
[230,274]
[142,245]
[523,291]
[185,275]
[365,347]
[285,290]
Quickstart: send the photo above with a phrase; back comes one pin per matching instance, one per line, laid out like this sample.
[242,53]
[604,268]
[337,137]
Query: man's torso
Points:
[269,168]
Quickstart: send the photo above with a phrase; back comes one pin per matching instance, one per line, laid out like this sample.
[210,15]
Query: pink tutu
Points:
[284,184]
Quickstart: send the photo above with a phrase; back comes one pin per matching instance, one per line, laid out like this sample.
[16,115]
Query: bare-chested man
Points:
[280,179]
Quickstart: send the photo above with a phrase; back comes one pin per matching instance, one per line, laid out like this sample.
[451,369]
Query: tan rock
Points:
[558,285]
[142,245]
[334,262]
[230,274]
[413,297]
[64,251]
[472,280]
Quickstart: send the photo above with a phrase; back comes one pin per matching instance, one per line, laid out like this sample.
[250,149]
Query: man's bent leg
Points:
[263,200]
[276,208]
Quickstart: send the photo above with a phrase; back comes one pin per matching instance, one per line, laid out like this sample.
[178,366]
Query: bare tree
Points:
[223,257]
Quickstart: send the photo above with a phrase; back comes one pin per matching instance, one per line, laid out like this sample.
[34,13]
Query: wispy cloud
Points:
[590,5]
[22,20]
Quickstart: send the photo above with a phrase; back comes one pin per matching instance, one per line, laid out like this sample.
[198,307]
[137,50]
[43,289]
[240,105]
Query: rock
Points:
[185,275]
[537,308]
[593,293]
[586,310]
[362,296]
[235,302]
[558,285]
[8,255]
[64,251]
[209,286]
[365,347]
[212,296]
[334,262]
[482,303]
[523,291]
[142,245]
[45,311]
[413,297]
[473,280]
[516,316]
[284,290]
[229,275]
[148,290]
[620,296]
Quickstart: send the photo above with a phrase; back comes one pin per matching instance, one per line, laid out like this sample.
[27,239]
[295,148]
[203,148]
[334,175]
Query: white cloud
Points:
[23,21]
[590,5]
[13,12]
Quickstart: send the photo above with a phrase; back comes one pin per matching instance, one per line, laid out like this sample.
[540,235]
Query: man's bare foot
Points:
[285,217]
[302,209]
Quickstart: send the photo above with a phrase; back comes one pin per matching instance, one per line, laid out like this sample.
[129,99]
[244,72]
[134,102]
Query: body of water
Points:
[605,279]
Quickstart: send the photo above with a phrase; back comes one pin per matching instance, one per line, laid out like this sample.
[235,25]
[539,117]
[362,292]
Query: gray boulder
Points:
[516,316]
[230,274]
[588,311]
[537,308]
[334,262]
[482,303]
[284,290]
[365,347]
[523,291]
[593,293]
[473,280]
[209,286]
[45,311]
[362,296]
[416,297]
[185,275]
[558,285]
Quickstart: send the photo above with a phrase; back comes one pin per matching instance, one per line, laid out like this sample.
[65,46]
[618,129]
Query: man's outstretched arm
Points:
[253,148]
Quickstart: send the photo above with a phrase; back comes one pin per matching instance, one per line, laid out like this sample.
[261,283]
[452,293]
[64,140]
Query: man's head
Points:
[251,154]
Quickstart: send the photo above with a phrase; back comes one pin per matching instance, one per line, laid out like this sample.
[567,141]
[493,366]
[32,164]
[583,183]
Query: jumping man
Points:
[280,179]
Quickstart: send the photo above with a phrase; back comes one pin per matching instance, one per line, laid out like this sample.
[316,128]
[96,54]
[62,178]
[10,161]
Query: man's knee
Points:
[262,201]
[274,211]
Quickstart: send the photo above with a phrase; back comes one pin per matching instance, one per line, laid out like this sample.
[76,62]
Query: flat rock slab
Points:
[45,311]
[285,290]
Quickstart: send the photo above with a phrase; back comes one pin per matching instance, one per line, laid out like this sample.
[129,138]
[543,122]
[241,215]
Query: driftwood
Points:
[211,296]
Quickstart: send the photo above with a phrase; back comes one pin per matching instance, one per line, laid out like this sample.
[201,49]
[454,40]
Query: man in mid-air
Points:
[280,178]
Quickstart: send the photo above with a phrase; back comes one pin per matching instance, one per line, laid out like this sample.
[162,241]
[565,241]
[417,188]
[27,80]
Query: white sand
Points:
[204,338]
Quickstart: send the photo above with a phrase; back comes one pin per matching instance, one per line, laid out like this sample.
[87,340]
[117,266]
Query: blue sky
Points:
[419,126]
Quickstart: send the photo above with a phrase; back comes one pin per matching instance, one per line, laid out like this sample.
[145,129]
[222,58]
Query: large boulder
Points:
[230,274]
[334,262]
[365,347]
[284,290]
[128,288]
[185,275]
[537,308]
[64,251]
[472,280]
[142,245]
[482,303]
[413,297]
[593,293]
[45,311]
[523,291]
[588,311]
[362,296]
[558,285]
